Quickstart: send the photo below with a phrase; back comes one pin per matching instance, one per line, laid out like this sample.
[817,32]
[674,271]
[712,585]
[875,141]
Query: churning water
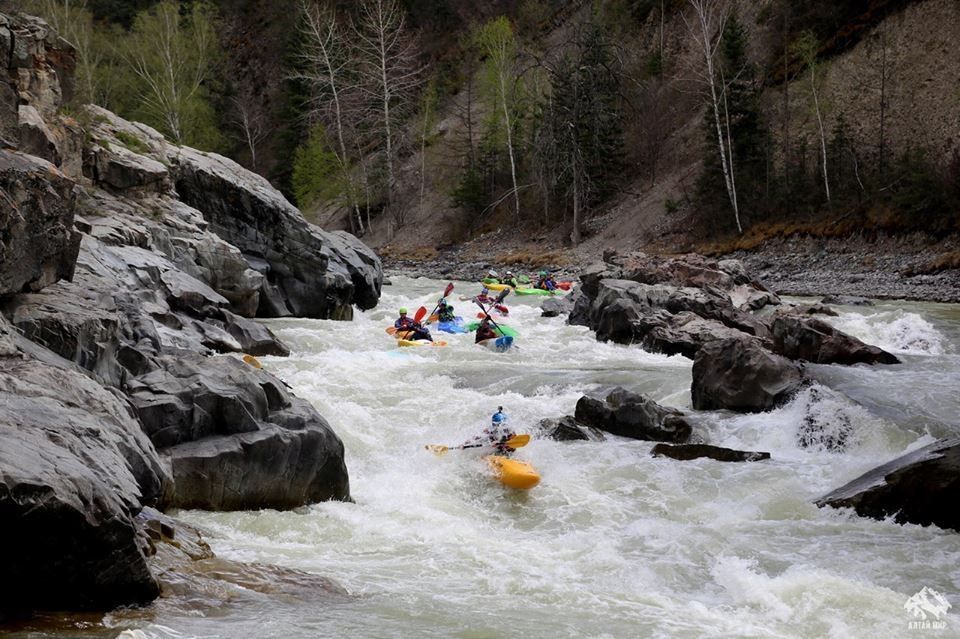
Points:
[613,543]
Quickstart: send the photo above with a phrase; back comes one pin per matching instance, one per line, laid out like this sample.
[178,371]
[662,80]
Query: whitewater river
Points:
[613,543]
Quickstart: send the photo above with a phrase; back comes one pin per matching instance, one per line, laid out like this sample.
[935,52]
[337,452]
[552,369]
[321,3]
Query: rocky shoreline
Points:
[880,267]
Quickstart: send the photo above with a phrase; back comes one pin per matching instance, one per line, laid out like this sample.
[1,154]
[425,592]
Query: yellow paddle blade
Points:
[437,449]
[518,441]
[253,361]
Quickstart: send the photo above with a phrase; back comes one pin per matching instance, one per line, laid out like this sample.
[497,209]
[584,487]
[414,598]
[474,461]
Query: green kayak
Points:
[537,291]
[504,331]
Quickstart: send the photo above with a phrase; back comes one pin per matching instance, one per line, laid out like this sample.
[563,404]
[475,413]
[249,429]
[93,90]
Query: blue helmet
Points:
[499,417]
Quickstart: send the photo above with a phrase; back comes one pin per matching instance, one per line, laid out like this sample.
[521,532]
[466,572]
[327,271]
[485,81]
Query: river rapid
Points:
[613,543]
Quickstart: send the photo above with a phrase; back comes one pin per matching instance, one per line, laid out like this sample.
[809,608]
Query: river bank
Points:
[910,267]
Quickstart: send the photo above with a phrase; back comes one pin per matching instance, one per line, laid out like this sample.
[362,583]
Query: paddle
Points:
[517,441]
[446,293]
[499,300]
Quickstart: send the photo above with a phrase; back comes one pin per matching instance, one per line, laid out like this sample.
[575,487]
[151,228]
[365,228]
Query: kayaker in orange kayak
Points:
[413,328]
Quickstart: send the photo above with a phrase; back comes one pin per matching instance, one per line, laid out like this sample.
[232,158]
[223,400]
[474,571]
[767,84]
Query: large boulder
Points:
[75,469]
[922,487]
[38,244]
[631,415]
[813,340]
[235,437]
[740,375]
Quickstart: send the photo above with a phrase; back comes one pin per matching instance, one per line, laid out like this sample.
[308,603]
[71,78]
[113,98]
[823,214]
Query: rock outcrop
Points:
[75,468]
[670,305]
[687,452]
[740,375]
[38,244]
[922,487]
[122,299]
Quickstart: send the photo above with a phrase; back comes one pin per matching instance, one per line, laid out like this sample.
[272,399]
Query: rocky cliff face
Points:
[129,269]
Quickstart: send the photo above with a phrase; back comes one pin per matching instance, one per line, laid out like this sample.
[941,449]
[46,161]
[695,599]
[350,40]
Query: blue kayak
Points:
[497,344]
[456,326]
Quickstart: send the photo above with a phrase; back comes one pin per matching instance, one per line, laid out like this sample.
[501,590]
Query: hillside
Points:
[840,117]
[886,75]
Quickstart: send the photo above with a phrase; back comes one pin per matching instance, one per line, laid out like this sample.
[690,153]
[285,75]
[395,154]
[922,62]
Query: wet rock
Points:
[812,340]
[631,415]
[847,300]
[687,452]
[74,470]
[740,375]
[922,487]
[39,244]
[580,311]
[556,306]
[567,428]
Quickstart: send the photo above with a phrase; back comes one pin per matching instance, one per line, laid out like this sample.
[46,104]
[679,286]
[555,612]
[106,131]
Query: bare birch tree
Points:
[172,55]
[806,48]
[324,61]
[706,28]
[497,42]
[386,54]
[251,121]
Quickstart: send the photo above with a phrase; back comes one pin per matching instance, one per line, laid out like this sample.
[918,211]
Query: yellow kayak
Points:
[513,473]
[495,287]
[419,342]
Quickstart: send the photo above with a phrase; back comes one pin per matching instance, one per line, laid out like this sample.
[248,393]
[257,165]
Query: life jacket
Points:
[404,322]
[446,313]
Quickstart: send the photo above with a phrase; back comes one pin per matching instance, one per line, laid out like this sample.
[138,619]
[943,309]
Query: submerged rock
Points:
[847,300]
[631,415]
[740,375]
[922,487]
[565,429]
[687,452]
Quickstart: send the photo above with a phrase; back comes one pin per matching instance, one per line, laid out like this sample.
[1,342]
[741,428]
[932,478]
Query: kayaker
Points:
[510,280]
[546,281]
[445,311]
[484,297]
[485,331]
[491,278]
[414,328]
[496,435]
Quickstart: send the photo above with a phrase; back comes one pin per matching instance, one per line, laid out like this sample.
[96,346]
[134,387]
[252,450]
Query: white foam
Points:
[896,330]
